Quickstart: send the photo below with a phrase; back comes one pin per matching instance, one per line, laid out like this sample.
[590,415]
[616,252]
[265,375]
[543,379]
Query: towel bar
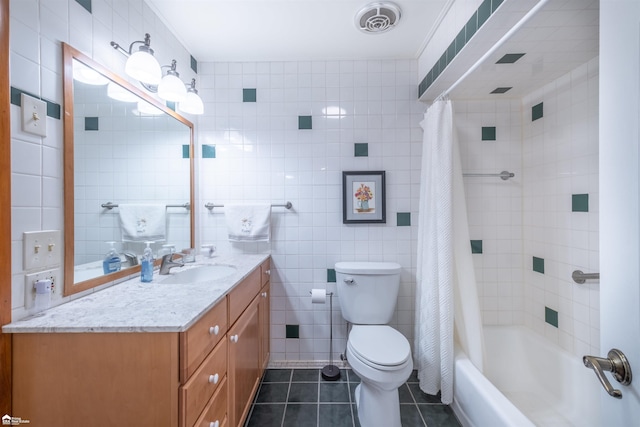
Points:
[287,205]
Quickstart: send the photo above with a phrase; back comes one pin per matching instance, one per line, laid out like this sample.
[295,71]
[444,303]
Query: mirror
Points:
[121,148]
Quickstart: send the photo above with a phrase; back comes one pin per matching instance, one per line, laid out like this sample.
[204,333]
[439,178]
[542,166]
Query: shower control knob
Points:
[616,363]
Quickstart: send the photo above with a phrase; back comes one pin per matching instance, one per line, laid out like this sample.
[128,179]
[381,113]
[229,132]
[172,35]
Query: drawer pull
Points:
[213,379]
[215,423]
[234,338]
[214,330]
[264,295]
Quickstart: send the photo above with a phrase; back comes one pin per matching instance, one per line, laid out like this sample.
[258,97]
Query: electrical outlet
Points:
[31,279]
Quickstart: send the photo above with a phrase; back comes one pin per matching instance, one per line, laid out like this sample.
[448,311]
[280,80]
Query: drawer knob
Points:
[264,295]
[234,338]
[214,330]
[215,423]
[267,272]
[213,379]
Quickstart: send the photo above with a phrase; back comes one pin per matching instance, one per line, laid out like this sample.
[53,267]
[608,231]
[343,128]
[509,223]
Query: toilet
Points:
[377,353]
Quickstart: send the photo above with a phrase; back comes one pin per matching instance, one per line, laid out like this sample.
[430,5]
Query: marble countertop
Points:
[132,306]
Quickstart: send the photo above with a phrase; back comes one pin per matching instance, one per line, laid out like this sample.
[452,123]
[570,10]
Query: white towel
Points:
[140,223]
[248,223]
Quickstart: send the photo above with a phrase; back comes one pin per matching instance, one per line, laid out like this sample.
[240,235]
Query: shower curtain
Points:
[446,293]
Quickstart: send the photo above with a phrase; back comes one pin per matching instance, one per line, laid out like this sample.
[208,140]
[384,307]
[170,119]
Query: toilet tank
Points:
[368,291]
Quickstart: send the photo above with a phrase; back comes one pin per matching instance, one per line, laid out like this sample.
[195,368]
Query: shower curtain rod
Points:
[495,47]
[504,175]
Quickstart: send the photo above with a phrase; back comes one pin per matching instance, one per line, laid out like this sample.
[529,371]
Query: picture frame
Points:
[363,197]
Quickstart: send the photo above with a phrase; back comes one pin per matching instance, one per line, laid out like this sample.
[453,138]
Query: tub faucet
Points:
[168,263]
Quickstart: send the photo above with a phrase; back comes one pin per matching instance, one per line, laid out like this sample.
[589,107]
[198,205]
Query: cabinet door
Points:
[264,308]
[244,363]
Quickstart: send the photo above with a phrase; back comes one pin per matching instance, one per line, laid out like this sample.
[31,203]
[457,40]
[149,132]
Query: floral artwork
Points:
[363,197]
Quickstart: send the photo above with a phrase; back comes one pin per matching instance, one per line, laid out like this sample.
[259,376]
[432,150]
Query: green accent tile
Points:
[460,41]
[331,275]
[471,27]
[484,11]
[194,64]
[293,331]
[488,133]
[53,109]
[304,122]
[476,246]
[538,264]
[91,123]
[361,149]
[171,105]
[495,4]
[536,112]
[86,4]
[509,58]
[186,152]
[248,95]
[208,151]
[551,316]
[580,203]
[403,219]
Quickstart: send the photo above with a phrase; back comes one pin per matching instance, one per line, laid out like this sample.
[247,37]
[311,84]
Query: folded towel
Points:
[248,223]
[140,223]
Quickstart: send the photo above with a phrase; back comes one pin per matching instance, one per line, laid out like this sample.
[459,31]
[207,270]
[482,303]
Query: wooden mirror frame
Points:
[69,54]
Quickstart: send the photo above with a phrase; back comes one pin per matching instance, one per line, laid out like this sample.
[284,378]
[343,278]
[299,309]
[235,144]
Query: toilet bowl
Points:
[381,357]
[377,353]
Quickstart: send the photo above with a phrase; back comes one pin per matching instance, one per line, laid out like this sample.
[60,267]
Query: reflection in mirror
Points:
[128,174]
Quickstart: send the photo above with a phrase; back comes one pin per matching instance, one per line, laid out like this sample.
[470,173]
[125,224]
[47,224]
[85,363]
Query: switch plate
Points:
[34,115]
[30,291]
[41,249]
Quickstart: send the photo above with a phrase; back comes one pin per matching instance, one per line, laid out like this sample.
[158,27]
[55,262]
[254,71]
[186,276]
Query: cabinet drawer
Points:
[216,409]
[265,267]
[242,295]
[199,339]
[202,384]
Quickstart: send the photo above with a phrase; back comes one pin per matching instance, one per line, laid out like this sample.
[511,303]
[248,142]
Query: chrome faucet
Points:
[131,258]
[168,263]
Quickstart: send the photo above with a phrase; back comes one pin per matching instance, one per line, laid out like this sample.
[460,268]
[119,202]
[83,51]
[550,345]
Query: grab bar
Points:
[504,175]
[580,277]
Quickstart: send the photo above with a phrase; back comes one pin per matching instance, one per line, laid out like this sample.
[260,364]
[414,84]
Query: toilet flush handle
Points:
[349,280]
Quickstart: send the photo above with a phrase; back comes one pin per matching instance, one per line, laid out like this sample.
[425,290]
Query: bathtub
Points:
[528,382]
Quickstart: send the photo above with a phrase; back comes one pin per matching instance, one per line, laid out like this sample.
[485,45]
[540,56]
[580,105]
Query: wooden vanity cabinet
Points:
[206,376]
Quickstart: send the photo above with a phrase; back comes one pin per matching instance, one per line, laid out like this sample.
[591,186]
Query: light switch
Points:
[41,249]
[34,115]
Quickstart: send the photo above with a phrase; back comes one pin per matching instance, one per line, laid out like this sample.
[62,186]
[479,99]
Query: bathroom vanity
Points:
[148,354]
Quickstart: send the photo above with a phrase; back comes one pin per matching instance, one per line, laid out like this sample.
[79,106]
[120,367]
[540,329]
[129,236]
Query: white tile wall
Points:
[262,156]
[560,158]
[37,29]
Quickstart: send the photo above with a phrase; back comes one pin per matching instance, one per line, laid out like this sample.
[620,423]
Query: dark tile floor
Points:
[300,398]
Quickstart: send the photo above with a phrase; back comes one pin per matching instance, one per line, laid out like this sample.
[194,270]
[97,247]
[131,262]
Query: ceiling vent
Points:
[377,18]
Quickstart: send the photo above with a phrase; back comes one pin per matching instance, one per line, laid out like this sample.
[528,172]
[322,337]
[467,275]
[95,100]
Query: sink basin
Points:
[204,273]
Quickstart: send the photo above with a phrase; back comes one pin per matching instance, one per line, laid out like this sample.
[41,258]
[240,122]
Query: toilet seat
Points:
[379,346]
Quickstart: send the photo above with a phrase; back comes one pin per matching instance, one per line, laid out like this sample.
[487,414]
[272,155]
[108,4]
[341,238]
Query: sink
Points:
[204,273]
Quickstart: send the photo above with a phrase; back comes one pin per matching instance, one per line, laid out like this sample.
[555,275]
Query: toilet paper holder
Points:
[330,372]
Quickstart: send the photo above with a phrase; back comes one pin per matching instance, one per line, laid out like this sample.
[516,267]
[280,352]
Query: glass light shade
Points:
[192,104]
[171,88]
[117,92]
[143,67]
[146,109]
[84,74]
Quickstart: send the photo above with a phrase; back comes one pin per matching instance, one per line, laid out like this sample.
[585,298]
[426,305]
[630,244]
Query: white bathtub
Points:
[528,381]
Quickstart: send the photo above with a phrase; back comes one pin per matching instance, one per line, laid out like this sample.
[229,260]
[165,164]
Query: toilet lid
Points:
[379,344]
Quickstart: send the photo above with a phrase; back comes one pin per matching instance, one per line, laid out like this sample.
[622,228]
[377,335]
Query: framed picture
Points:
[363,197]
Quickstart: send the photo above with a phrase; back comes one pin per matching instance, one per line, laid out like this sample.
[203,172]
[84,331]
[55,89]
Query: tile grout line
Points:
[286,399]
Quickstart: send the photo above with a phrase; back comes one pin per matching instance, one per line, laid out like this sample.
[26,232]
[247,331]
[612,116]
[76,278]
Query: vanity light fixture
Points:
[117,92]
[171,88]
[192,103]
[141,65]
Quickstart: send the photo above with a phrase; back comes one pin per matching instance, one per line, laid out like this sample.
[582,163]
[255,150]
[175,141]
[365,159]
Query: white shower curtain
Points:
[434,290]
[446,292]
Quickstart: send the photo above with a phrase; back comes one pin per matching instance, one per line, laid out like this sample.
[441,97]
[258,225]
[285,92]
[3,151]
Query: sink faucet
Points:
[168,263]
[131,258]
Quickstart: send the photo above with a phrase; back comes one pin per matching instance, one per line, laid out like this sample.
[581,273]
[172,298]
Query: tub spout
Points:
[616,363]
